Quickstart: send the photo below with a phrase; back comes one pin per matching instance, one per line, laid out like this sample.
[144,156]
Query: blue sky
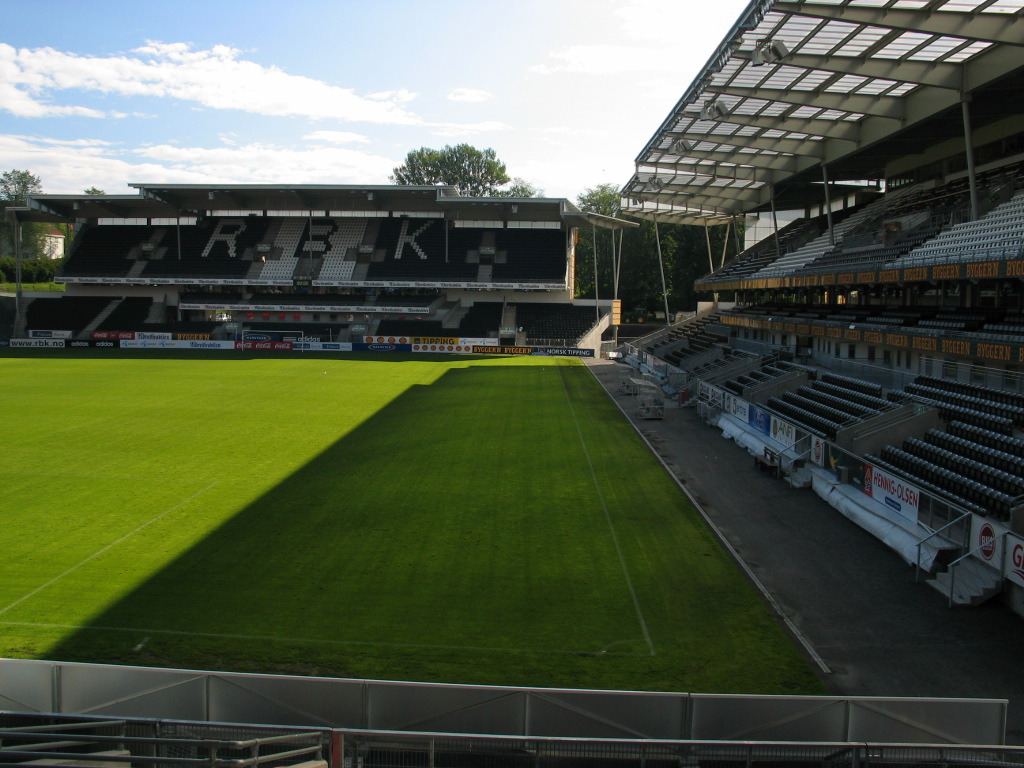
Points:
[567,92]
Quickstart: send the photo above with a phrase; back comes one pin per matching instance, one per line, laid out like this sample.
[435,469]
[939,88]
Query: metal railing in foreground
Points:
[95,742]
[90,742]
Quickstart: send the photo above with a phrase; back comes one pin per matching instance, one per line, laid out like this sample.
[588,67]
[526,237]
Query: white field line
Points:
[109,546]
[608,519]
[720,537]
[285,639]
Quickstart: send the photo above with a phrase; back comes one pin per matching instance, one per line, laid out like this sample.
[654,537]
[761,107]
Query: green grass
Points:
[13,287]
[455,519]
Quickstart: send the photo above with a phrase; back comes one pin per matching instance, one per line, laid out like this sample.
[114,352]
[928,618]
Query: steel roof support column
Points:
[828,205]
[725,241]
[736,235]
[711,259]
[775,225]
[617,262]
[972,178]
[593,235]
[661,263]
[18,299]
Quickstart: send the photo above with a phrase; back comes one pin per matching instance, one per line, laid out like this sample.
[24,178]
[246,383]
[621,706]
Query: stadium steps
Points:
[157,312]
[801,478]
[973,584]
[453,317]
[103,315]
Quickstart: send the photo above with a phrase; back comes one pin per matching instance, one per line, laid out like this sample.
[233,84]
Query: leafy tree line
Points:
[15,187]
[684,254]
[32,270]
[476,172]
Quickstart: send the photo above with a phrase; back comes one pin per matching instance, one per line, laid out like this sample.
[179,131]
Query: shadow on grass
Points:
[101,353]
[393,553]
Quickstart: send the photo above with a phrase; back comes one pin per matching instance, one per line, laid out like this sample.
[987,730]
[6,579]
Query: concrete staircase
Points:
[968,582]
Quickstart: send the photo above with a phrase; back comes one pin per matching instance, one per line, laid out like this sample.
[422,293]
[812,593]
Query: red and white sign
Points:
[1013,559]
[895,492]
[987,539]
[819,450]
[124,335]
[264,346]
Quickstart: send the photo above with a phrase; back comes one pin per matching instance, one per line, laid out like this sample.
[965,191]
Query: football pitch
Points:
[449,519]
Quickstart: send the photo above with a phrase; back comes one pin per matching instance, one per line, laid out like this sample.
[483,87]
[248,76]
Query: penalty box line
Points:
[608,518]
[321,641]
[108,547]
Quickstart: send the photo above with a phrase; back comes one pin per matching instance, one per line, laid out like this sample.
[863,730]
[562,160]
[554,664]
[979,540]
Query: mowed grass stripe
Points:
[611,525]
[102,551]
[406,518]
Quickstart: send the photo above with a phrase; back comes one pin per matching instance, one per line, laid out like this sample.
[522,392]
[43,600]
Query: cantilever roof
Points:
[171,200]
[849,84]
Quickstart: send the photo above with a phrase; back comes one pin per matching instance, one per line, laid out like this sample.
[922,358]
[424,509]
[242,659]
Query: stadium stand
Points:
[413,258]
[873,345]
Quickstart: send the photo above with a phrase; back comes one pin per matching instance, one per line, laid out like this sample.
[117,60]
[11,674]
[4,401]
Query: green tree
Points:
[15,188]
[519,187]
[604,200]
[476,172]
[93,191]
[683,251]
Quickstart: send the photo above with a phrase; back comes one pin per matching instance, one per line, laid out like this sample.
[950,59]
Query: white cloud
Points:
[469,95]
[605,59]
[336,137]
[401,96]
[70,166]
[467,129]
[216,78]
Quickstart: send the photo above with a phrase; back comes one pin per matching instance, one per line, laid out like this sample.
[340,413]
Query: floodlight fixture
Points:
[680,146]
[713,109]
[768,52]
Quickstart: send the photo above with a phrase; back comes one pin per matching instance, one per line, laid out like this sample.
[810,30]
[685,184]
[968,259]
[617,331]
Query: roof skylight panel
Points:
[731,68]
[806,112]
[911,5]
[816,78]
[964,6]
[797,29]
[839,114]
[775,109]
[751,77]
[829,37]
[1005,6]
[901,89]
[865,39]
[749,106]
[783,78]
[902,45]
[968,51]
[876,86]
[845,84]
[937,50]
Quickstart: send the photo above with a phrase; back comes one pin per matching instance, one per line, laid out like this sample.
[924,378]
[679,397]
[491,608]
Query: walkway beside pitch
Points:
[853,599]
